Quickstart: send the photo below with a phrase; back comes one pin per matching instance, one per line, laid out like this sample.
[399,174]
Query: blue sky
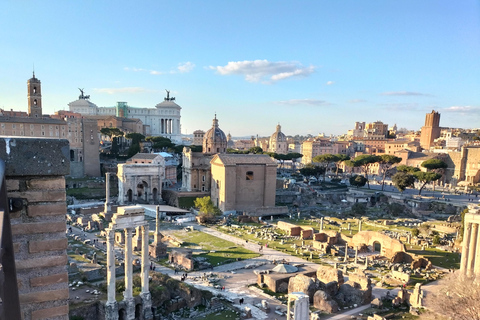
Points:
[312,66]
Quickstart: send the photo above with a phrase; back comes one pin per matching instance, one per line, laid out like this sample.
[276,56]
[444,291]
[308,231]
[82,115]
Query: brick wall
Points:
[35,170]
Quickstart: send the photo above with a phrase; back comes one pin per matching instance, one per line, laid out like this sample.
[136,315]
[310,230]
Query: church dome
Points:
[214,140]
[278,135]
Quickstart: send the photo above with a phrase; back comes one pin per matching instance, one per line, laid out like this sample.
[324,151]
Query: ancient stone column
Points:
[366,262]
[356,255]
[346,253]
[359,225]
[145,295]
[107,208]
[157,238]
[145,260]
[472,249]
[465,248]
[321,224]
[110,265]
[128,293]
[477,257]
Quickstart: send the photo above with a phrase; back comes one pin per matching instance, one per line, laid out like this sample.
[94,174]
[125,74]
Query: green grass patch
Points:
[226,314]
[439,257]
[220,251]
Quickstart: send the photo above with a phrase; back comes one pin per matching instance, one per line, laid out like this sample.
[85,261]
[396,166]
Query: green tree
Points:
[340,158]
[206,207]
[403,180]
[161,143]
[386,161]
[255,150]
[435,165]
[294,156]
[436,239]
[364,161]
[408,169]
[415,232]
[325,160]
[358,180]
[311,170]
[135,145]
[426,177]
[114,134]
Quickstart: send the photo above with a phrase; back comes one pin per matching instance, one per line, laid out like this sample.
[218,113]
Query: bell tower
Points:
[34,95]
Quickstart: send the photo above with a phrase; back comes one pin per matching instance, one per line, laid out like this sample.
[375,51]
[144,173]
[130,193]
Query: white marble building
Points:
[162,120]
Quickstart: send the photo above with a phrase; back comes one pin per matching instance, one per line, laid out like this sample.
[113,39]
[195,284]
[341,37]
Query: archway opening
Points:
[130,195]
[122,314]
[377,247]
[138,312]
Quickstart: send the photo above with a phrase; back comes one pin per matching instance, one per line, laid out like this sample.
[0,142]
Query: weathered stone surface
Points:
[322,302]
[301,283]
[348,295]
[327,274]
[38,157]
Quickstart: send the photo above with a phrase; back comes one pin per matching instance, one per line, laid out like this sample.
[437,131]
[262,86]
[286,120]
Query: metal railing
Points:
[10,303]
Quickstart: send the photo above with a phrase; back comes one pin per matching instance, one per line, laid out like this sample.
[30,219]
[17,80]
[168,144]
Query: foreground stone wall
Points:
[35,177]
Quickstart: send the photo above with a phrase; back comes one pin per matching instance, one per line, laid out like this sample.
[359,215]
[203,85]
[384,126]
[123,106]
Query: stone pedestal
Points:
[111,311]
[147,305]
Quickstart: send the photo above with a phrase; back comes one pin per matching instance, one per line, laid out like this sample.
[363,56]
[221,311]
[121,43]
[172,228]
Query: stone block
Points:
[44,262]
[48,280]
[55,183]
[47,245]
[40,227]
[43,296]
[38,157]
[50,313]
[51,209]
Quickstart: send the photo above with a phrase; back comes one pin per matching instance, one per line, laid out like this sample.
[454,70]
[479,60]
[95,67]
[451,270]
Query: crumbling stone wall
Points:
[389,246]
[35,175]
[182,258]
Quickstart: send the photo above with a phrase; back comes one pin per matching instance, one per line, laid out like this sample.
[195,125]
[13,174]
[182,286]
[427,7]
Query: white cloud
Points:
[311,102]
[404,93]
[155,72]
[329,83]
[264,70]
[357,100]
[121,90]
[134,69]
[185,67]
[462,109]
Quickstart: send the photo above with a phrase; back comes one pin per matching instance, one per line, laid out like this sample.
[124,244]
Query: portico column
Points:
[110,265]
[128,294]
[477,257]
[107,208]
[471,252]
[145,262]
[289,299]
[465,248]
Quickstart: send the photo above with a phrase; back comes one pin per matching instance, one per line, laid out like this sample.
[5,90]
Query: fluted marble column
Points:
[465,248]
[111,265]
[128,294]
[145,260]
[476,269]
[471,252]
[107,208]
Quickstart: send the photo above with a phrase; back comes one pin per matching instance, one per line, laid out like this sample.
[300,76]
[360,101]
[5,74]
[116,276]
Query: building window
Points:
[249,175]
[203,178]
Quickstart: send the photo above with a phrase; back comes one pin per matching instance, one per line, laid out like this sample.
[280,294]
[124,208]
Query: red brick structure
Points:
[35,170]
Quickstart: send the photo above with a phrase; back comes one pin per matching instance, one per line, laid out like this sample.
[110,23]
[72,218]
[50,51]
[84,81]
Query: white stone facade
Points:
[162,120]
[141,182]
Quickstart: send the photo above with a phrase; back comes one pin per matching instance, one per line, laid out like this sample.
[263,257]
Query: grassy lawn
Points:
[439,257]
[220,251]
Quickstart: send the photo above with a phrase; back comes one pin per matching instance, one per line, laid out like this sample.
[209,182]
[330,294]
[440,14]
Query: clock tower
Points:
[34,97]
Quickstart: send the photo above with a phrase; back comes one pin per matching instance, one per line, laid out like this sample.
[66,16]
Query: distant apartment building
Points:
[393,147]
[162,120]
[319,146]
